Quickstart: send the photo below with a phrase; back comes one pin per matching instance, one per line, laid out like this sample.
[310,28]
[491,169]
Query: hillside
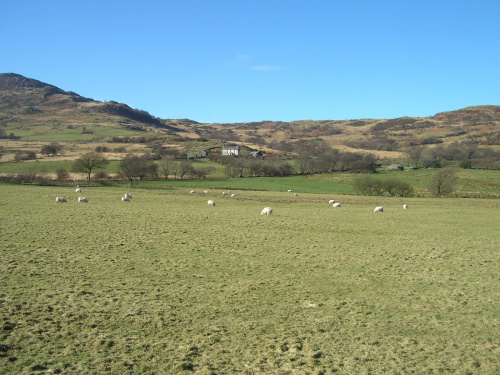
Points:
[40,112]
[26,102]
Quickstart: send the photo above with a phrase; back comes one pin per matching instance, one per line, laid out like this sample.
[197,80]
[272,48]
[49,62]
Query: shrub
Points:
[367,185]
[62,175]
[398,188]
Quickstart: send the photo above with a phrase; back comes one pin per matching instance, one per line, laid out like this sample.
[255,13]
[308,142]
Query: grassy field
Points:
[473,183]
[165,284]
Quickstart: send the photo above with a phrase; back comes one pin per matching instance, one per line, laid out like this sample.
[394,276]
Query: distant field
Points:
[475,183]
[57,133]
[470,182]
[166,284]
[48,166]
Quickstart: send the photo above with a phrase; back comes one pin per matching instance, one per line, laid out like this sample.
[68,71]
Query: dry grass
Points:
[165,284]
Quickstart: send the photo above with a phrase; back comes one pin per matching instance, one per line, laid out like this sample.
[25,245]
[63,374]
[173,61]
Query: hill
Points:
[27,102]
[40,112]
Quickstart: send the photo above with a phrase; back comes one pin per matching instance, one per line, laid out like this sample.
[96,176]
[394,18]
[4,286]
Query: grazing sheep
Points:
[205,191]
[233,195]
[83,199]
[289,190]
[224,193]
[331,201]
[405,206]
[211,203]
[78,190]
[337,204]
[192,192]
[295,195]
[379,209]
[129,196]
[125,199]
[60,199]
[267,211]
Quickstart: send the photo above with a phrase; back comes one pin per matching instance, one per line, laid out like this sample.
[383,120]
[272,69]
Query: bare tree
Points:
[89,162]
[443,183]
[167,166]
[185,167]
[62,175]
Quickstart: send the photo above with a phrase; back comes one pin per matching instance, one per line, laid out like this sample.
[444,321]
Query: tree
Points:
[413,154]
[397,188]
[185,167]
[203,172]
[62,175]
[367,185]
[167,165]
[304,165]
[89,162]
[49,150]
[235,167]
[443,183]
[133,166]
[130,168]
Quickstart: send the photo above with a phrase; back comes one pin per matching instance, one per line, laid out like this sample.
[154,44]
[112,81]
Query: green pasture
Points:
[474,183]
[165,284]
[61,133]
[49,166]
[470,182]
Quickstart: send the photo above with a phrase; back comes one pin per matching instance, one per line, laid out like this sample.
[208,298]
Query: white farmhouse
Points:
[230,150]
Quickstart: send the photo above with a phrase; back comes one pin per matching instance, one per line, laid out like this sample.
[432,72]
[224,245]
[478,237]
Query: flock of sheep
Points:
[269,211]
[125,198]
[266,211]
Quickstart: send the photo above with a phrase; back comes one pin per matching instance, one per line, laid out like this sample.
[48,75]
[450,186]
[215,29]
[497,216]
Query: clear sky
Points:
[253,60]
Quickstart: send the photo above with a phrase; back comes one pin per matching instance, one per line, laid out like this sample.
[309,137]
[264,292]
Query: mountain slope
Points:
[28,102]
[27,105]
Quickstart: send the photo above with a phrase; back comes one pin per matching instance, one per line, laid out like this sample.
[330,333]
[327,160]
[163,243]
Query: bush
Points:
[62,175]
[367,185]
[443,183]
[24,155]
[397,188]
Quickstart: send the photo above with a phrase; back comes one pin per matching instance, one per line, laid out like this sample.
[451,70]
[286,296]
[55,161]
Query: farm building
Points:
[256,154]
[230,150]
[198,154]
[265,156]
[393,167]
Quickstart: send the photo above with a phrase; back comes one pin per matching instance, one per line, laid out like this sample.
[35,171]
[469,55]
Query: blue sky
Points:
[283,60]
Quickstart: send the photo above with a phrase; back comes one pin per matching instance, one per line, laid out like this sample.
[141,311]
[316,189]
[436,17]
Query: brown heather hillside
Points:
[26,102]
[36,111]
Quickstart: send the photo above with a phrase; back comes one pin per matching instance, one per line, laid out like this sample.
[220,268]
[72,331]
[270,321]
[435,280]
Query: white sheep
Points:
[60,199]
[233,195]
[205,191]
[379,209]
[289,190]
[125,199]
[267,211]
[83,200]
[192,192]
[129,196]
[295,195]
[78,190]
[224,193]
[405,206]
[211,203]
[331,201]
[337,204]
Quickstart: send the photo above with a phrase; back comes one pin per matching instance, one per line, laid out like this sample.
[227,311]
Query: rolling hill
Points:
[40,112]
